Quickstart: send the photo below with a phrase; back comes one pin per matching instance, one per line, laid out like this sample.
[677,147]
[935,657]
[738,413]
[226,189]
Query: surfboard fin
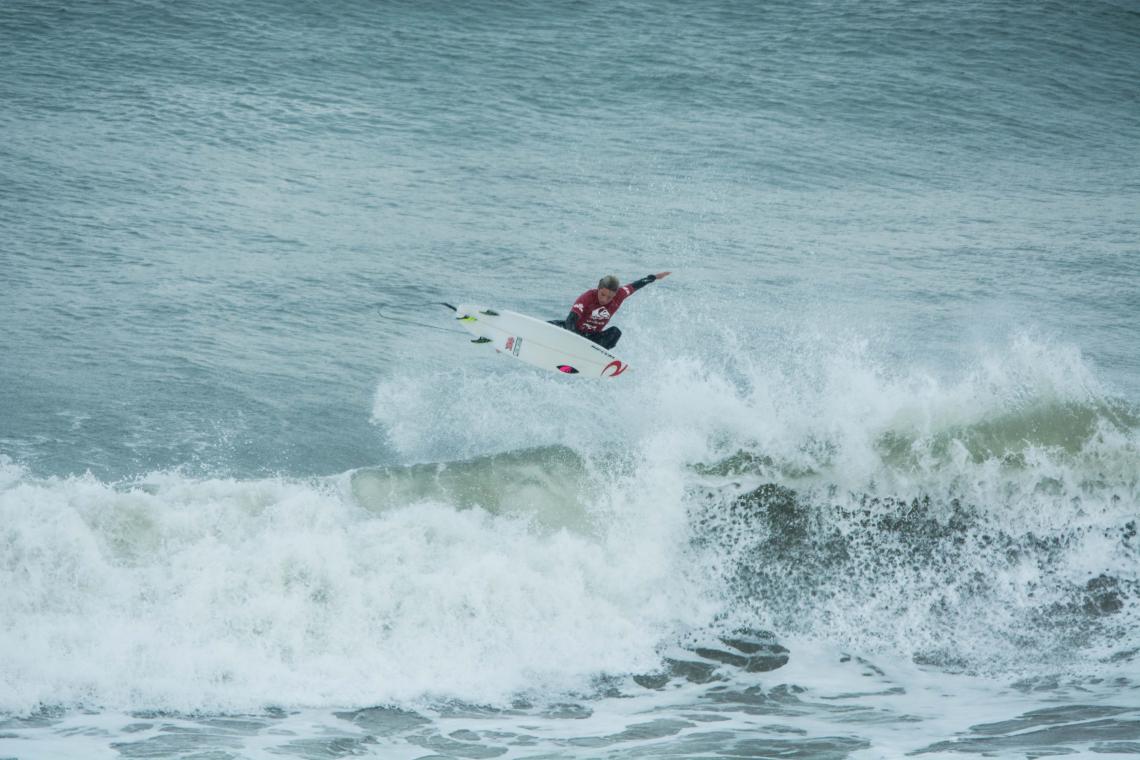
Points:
[490,313]
[481,340]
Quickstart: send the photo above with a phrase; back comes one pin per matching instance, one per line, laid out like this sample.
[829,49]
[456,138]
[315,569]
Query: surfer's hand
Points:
[661,275]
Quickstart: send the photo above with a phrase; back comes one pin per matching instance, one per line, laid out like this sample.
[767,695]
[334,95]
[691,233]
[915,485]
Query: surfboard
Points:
[538,343]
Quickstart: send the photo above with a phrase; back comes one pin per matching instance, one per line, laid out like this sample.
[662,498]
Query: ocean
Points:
[871,488]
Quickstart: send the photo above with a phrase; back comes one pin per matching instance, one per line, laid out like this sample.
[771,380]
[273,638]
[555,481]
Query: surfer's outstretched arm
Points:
[639,284]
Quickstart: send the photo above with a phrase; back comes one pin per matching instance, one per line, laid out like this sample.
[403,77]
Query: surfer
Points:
[594,308]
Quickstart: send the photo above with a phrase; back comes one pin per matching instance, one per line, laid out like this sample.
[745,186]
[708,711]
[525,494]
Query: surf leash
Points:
[419,324]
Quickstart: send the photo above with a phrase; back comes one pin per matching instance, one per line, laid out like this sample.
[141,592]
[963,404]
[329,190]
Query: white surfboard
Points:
[538,343]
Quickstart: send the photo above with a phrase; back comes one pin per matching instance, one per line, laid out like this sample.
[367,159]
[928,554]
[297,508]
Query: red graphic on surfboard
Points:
[617,368]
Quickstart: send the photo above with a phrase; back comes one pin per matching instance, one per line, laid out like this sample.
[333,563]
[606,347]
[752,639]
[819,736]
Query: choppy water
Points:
[871,490]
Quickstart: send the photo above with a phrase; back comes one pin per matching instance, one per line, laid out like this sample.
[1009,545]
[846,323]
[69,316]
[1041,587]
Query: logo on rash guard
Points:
[600,314]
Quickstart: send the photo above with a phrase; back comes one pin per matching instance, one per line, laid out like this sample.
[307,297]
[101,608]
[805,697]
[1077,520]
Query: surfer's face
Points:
[605,296]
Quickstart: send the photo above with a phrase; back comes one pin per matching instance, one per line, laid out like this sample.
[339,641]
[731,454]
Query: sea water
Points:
[870,489]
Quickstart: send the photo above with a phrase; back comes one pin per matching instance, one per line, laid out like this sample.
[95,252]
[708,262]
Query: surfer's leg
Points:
[607,338]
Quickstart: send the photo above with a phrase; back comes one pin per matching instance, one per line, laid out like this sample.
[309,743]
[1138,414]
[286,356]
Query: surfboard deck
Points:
[538,343]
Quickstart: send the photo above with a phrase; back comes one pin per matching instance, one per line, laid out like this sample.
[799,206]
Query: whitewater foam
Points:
[176,593]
